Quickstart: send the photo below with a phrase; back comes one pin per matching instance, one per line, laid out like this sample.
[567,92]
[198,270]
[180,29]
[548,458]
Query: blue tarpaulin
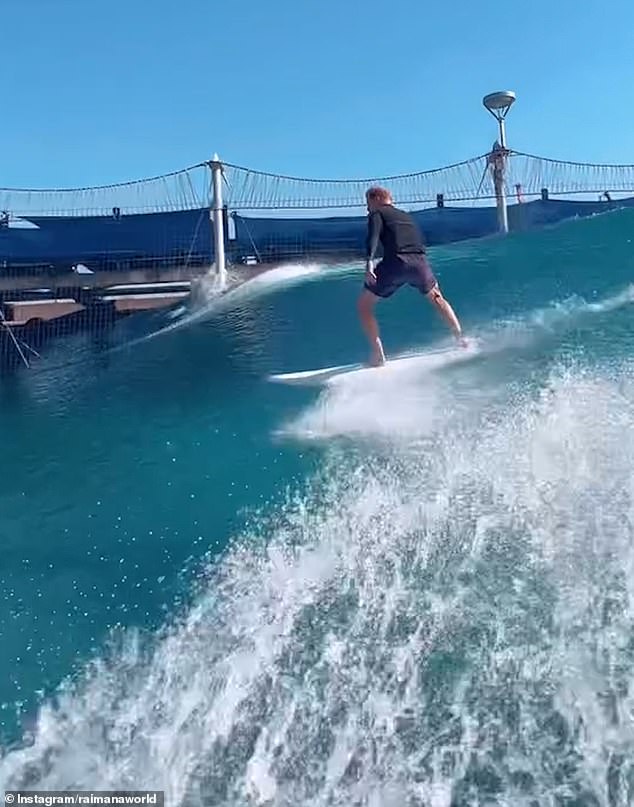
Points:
[188,235]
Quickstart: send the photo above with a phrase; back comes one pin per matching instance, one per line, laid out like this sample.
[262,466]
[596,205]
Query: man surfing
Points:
[404,261]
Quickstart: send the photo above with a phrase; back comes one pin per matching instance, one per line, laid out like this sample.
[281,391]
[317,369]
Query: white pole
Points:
[499,181]
[502,133]
[219,234]
[500,195]
[498,104]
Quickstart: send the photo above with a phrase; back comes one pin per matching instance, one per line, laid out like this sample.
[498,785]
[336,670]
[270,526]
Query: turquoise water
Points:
[401,589]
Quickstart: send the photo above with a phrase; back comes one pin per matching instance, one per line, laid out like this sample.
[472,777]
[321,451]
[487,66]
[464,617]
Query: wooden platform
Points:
[40,299]
[15,282]
[21,312]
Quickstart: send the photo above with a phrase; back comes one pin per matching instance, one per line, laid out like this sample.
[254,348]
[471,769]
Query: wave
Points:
[209,297]
[434,626]
[406,403]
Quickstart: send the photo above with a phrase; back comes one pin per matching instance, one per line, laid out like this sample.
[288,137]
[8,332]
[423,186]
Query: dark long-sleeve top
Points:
[396,230]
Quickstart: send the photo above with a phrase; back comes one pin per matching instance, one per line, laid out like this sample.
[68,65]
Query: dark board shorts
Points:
[392,273]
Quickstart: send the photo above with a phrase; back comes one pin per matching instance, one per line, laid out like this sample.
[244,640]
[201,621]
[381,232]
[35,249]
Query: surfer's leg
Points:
[366,303]
[436,298]
[422,277]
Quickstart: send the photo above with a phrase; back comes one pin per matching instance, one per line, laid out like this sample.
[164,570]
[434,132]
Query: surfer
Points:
[404,261]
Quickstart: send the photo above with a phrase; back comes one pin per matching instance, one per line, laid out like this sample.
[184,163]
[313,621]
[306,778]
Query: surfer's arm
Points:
[375,225]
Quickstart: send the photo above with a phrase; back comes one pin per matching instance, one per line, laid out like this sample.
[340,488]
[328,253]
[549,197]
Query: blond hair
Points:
[378,194]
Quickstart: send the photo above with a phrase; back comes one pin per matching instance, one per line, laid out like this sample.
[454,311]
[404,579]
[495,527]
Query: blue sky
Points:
[96,92]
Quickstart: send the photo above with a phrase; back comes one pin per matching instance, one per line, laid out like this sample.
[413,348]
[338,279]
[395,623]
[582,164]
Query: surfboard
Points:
[315,377]
[425,360]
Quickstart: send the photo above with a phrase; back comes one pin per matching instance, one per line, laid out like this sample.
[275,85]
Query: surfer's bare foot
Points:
[461,340]
[377,359]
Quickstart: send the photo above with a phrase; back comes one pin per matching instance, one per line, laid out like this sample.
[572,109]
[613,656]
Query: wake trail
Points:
[210,299]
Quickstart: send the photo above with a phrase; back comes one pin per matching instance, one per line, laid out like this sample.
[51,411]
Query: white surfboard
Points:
[429,360]
[315,377]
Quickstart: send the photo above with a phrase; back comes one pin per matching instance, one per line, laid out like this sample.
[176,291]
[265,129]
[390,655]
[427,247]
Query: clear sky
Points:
[97,91]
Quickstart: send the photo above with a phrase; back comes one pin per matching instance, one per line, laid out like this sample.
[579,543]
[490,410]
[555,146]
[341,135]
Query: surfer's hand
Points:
[370,276]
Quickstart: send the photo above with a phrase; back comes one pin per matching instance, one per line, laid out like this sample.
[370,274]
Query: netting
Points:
[563,178]
[187,189]
[466,182]
[256,190]
[245,189]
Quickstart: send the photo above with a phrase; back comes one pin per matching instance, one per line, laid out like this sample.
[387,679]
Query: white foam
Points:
[397,401]
[211,298]
[560,314]
[453,604]
[623,298]
[409,623]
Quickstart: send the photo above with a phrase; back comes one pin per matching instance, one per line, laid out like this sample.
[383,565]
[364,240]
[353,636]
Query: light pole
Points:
[498,104]
[217,217]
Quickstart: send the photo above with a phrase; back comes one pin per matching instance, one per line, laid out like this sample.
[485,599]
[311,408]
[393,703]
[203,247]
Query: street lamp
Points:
[498,104]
